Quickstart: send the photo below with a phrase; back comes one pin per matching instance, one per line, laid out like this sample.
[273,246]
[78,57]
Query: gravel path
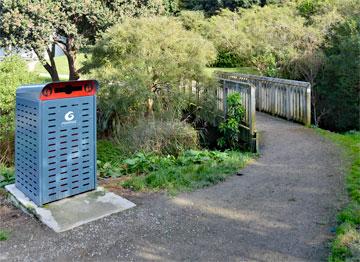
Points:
[282,209]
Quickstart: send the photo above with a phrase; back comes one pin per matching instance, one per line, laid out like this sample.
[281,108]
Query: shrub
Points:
[4,235]
[13,73]
[230,127]
[266,37]
[7,176]
[141,64]
[157,136]
[107,151]
[339,81]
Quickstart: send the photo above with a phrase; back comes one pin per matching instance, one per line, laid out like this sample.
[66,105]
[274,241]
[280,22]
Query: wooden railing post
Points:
[252,110]
[225,95]
[308,106]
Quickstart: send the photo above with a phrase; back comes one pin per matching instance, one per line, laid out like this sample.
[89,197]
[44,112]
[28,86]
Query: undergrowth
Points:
[7,176]
[190,170]
[4,235]
[346,245]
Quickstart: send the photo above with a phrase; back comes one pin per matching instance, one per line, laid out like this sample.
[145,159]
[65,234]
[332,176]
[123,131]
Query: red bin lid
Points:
[69,89]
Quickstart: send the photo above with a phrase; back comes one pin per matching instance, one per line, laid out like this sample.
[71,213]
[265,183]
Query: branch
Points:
[41,58]
[62,46]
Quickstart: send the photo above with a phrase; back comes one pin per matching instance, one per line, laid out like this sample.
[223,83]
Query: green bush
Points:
[212,7]
[13,73]
[230,127]
[280,36]
[4,235]
[7,176]
[107,151]
[142,63]
[157,136]
[338,83]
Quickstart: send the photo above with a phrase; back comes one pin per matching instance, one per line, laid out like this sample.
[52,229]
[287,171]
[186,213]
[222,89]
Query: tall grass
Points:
[346,245]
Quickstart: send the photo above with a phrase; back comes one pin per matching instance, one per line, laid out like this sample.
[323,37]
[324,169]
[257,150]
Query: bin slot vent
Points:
[26,149]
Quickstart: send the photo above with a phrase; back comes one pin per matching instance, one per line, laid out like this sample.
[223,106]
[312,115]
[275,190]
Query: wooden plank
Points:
[308,106]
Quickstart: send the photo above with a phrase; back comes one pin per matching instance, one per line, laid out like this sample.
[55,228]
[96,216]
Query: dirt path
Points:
[281,209]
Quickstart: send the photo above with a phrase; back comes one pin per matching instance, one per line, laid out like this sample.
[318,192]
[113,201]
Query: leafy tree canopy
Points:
[39,25]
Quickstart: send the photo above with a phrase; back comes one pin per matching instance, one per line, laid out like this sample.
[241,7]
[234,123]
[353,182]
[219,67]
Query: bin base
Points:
[71,212]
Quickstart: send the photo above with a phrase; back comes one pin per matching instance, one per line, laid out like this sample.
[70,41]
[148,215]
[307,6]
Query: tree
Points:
[40,25]
[211,7]
[339,82]
[308,67]
[146,60]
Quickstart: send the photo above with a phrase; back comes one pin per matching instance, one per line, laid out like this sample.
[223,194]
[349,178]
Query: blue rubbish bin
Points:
[55,140]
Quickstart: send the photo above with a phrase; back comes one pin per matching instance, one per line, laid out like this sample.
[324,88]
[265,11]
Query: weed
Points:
[7,176]
[4,235]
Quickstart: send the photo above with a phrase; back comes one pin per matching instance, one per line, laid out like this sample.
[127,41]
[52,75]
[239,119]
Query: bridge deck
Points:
[282,209]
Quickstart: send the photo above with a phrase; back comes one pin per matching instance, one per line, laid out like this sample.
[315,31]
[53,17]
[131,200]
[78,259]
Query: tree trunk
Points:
[71,57]
[50,68]
[52,71]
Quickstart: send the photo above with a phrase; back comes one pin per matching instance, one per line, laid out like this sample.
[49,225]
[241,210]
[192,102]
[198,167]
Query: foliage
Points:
[346,244]
[241,70]
[7,176]
[192,20]
[108,152]
[339,82]
[141,64]
[230,127]
[308,8]
[280,35]
[191,170]
[13,73]
[40,25]
[213,6]
[4,235]
[107,169]
[162,137]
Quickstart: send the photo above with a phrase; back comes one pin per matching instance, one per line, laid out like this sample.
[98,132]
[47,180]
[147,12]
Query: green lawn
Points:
[346,245]
[242,70]
[61,64]
[62,67]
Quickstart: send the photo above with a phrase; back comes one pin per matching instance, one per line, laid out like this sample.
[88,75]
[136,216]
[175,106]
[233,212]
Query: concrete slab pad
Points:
[74,211]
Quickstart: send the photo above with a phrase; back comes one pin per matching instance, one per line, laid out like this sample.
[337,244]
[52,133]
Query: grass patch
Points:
[346,245]
[191,170]
[61,64]
[242,70]
[4,235]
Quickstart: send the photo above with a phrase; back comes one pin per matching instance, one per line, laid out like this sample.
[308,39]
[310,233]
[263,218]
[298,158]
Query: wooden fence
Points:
[281,97]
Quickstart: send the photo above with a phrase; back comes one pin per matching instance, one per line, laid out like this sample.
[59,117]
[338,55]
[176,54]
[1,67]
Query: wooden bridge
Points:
[284,98]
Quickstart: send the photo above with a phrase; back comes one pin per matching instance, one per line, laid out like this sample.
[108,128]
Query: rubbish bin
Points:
[55,140]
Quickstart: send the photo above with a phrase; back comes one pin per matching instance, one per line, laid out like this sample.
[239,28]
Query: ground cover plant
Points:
[7,176]
[3,235]
[190,170]
[346,245]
